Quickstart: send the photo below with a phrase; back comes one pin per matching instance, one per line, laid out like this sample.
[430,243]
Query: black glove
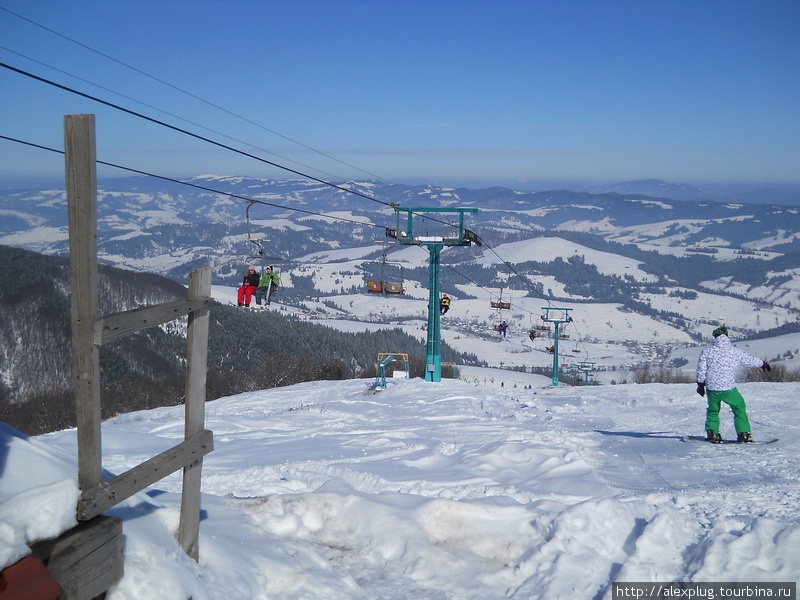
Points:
[701,389]
[766,367]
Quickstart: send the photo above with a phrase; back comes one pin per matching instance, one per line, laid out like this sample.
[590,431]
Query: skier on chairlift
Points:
[444,304]
[269,284]
[249,284]
[502,328]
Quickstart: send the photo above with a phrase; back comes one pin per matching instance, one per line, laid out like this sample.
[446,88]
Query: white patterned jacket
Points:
[718,363]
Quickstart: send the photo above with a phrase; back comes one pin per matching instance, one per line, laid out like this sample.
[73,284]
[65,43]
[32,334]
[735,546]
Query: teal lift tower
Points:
[434,245]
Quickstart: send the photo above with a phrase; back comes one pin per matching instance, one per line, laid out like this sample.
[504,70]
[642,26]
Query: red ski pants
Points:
[246,293]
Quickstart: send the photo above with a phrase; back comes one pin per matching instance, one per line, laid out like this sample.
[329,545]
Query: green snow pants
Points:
[733,399]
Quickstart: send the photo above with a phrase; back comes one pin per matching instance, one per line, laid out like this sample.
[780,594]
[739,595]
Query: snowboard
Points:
[700,438]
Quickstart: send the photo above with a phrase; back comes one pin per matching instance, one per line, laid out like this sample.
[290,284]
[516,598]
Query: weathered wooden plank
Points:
[109,493]
[81,182]
[119,325]
[197,353]
[196,367]
[86,560]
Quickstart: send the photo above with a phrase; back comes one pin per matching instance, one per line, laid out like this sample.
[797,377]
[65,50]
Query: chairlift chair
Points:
[500,304]
[394,287]
[543,326]
[382,284]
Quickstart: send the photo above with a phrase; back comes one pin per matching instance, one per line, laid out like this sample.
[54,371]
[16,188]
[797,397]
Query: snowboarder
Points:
[444,304]
[249,285]
[716,373]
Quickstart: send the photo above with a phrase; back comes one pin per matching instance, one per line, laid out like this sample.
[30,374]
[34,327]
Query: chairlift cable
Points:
[354,184]
[186,92]
[187,132]
[190,94]
[208,140]
[252,201]
[189,121]
[197,136]
[232,149]
[196,186]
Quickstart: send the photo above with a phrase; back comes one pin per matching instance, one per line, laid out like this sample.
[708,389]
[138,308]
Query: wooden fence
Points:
[89,332]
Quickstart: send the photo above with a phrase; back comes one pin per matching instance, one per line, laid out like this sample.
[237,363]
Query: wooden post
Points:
[111,492]
[196,365]
[87,554]
[86,560]
[81,182]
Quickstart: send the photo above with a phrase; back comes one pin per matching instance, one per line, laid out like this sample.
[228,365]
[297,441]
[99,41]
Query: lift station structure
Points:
[384,358]
[434,245]
[586,367]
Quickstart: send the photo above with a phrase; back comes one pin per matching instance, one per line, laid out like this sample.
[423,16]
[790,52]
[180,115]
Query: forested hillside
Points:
[34,324]
[247,351]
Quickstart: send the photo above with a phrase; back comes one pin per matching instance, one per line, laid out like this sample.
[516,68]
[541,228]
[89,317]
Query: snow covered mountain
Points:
[135,207]
[747,193]
[642,274]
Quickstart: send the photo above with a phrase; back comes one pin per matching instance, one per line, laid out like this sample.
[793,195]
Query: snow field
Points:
[458,489]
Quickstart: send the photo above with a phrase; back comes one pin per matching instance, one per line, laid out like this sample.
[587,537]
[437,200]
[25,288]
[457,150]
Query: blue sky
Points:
[455,92]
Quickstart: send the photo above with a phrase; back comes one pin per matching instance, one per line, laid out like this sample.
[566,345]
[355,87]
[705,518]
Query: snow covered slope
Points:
[473,489]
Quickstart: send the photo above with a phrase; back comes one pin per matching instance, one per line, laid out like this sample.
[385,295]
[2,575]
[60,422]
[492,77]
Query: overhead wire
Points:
[248,199]
[226,147]
[187,93]
[203,138]
[191,95]
[196,124]
[208,103]
[525,281]
[187,132]
[196,186]
[196,97]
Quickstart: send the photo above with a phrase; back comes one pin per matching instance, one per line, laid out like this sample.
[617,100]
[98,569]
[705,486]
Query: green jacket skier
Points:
[268,285]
